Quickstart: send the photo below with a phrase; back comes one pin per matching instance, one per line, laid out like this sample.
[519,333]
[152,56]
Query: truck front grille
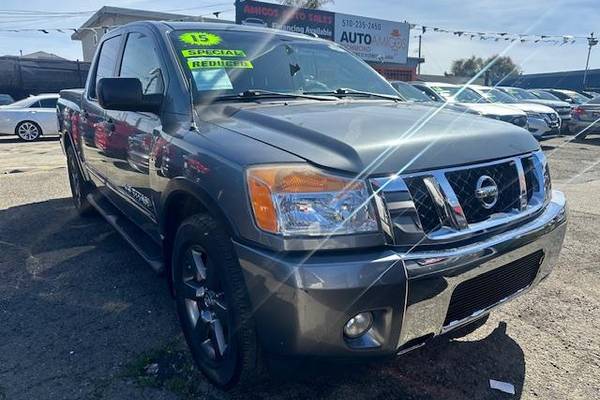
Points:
[492,287]
[464,182]
[447,204]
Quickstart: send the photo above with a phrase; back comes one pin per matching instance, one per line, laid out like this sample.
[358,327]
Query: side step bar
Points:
[141,243]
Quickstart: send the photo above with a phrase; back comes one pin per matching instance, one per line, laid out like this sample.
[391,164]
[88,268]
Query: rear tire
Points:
[28,131]
[213,304]
[80,188]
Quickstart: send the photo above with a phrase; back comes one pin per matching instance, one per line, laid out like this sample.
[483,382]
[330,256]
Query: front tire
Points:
[28,131]
[212,303]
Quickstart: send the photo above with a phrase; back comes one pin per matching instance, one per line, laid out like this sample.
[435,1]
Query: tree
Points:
[497,67]
[501,68]
[305,3]
[467,66]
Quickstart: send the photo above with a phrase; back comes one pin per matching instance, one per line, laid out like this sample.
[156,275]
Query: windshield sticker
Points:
[212,79]
[200,38]
[213,53]
[214,62]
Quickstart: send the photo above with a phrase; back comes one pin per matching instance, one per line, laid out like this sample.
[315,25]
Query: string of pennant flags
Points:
[502,36]
[420,31]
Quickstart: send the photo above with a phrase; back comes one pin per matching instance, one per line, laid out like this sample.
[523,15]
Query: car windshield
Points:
[21,103]
[228,63]
[411,93]
[542,94]
[459,94]
[577,97]
[520,94]
[498,96]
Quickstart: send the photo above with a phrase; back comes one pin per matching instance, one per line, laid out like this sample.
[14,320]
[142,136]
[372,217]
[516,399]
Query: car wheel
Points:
[213,304]
[79,187]
[28,131]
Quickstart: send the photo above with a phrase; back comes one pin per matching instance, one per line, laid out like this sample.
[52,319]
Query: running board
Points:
[140,241]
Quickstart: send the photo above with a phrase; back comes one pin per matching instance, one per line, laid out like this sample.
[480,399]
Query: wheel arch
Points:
[182,199]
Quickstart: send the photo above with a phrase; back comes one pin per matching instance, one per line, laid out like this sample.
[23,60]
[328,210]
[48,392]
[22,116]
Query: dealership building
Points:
[382,44]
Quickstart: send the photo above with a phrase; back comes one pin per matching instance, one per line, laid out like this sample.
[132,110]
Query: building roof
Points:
[43,55]
[96,20]
[560,80]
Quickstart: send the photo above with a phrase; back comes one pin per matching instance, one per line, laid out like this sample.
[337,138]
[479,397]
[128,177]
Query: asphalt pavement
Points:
[83,317]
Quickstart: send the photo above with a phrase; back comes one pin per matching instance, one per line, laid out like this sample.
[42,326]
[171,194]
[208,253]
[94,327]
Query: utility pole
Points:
[419,62]
[592,41]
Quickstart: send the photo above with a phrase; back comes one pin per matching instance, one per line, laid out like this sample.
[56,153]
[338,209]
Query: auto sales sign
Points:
[373,39]
[369,38]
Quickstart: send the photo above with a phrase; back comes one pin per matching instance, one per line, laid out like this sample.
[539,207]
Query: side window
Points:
[140,60]
[48,103]
[106,62]
[35,105]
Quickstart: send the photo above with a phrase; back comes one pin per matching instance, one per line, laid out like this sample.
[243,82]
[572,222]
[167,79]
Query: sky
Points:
[544,17]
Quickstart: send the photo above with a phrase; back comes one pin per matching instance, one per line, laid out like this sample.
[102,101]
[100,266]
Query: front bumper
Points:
[301,302]
[542,129]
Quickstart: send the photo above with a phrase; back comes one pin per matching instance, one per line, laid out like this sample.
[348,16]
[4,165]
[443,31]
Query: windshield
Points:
[577,97]
[542,94]
[21,103]
[459,94]
[498,96]
[225,63]
[520,94]
[411,93]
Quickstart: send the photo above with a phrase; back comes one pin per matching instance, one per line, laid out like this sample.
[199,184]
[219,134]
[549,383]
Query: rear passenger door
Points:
[133,134]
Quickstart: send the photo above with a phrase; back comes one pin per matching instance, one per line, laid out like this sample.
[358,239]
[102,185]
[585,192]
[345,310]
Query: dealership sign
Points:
[373,39]
[369,38]
[300,20]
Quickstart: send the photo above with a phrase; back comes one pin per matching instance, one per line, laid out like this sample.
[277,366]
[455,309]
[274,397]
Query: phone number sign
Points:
[373,39]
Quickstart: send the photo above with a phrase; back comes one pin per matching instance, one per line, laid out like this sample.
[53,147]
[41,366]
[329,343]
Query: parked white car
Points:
[30,118]
[471,101]
[542,121]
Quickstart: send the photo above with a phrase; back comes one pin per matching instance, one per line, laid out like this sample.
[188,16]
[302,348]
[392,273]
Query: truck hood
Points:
[378,137]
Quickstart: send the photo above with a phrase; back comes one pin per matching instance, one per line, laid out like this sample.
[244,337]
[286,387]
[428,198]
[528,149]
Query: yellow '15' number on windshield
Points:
[200,38]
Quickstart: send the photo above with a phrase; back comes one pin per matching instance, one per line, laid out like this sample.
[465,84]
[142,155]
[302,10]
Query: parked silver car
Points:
[542,121]
[30,118]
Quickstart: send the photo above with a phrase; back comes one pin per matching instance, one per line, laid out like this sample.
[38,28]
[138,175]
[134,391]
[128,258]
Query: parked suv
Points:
[294,203]
[561,107]
[542,121]
[472,102]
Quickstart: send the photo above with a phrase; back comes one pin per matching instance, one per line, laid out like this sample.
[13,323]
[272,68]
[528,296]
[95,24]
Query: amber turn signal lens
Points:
[264,181]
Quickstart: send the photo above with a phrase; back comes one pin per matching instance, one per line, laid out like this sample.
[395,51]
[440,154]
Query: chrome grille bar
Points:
[401,216]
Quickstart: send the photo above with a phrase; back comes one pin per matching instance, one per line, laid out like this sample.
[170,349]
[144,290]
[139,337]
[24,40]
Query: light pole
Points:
[592,41]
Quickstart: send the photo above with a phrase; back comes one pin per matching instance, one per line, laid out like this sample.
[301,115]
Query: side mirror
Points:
[125,94]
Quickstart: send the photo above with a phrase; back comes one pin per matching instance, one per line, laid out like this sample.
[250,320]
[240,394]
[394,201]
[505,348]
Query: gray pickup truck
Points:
[295,203]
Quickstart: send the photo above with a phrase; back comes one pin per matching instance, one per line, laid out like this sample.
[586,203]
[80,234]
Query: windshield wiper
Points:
[348,91]
[254,93]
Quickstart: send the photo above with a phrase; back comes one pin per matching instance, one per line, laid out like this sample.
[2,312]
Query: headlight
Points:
[301,200]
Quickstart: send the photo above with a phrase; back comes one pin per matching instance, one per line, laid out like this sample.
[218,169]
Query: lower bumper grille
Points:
[492,287]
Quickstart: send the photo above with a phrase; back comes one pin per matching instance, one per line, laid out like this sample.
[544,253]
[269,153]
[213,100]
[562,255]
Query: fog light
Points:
[358,325]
